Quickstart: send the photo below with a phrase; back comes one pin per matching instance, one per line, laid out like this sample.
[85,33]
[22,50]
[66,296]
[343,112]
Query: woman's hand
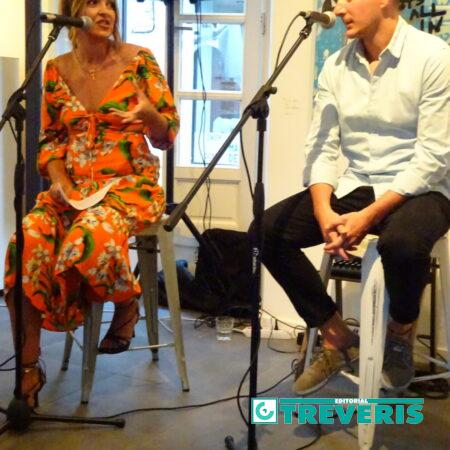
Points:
[61,192]
[143,112]
[146,113]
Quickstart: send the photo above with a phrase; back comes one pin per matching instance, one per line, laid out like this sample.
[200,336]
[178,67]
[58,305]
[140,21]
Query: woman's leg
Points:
[96,246]
[33,378]
[31,328]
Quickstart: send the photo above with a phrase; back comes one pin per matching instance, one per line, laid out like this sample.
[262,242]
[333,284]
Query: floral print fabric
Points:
[66,248]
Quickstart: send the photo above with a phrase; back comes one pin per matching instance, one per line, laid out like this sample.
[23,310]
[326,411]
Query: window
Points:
[209,72]
[145,25]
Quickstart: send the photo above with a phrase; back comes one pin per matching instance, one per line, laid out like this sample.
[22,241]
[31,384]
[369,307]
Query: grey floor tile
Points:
[132,380]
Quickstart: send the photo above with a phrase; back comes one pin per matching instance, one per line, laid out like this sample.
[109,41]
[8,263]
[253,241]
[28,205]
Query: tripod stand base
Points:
[20,416]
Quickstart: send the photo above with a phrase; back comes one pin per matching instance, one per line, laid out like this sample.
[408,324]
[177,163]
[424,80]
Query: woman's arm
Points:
[58,176]
[155,106]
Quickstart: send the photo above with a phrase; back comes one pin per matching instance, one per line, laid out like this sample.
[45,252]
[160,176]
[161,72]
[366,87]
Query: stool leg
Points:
[324,272]
[339,295]
[374,308]
[170,276]
[91,331]
[67,351]
[442,252]
[148,269]
[310,339]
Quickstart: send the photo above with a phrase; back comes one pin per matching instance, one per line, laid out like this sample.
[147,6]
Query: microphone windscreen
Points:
[327,6]
[87,21]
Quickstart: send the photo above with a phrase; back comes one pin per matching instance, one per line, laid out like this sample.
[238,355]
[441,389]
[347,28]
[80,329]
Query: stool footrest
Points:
[146,347]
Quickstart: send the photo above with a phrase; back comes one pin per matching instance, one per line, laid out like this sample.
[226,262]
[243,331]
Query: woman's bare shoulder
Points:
[62,61]
[129,51]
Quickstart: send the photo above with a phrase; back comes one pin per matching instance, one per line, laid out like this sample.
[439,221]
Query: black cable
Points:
[204,319]
[249,179]
[294,327]
[238,397]
[420,338]
[6,361]
[284,38]
[12,130]
[269,346]
[198,405]
[201,142]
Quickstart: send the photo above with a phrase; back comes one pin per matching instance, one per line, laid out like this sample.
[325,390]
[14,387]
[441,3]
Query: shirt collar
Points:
[398,39]
[395,45]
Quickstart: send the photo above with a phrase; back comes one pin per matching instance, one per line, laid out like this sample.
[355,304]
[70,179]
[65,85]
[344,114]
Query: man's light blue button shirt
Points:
[392,126]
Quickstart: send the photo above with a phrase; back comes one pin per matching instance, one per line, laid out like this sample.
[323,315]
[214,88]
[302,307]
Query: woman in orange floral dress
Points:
[100,102]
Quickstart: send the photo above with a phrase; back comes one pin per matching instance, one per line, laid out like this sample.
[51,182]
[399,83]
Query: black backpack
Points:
[222,283]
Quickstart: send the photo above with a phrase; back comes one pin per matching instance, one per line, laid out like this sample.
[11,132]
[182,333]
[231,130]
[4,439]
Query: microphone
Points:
[66,21]
[325,19]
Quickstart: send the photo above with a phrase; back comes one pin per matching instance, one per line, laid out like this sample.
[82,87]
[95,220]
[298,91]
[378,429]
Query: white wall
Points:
[12,70]
[12,26]
[290,115]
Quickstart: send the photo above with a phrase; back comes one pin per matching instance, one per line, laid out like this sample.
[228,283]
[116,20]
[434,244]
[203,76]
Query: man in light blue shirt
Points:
[384,103]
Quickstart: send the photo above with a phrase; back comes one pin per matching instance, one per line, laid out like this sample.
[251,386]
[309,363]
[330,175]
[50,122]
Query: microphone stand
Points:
[258,109]
[18,414]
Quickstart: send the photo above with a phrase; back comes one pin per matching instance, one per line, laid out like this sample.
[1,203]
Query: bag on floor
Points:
[223,274]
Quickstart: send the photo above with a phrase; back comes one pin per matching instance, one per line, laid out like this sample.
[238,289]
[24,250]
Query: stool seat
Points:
[346,270]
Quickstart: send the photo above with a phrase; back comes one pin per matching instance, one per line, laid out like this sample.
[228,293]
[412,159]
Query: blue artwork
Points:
[432,16]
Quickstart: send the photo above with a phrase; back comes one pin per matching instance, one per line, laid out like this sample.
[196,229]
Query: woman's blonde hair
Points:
[73,8]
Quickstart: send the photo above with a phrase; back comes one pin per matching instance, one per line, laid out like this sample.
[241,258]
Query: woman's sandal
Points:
[120,342]
[33,380]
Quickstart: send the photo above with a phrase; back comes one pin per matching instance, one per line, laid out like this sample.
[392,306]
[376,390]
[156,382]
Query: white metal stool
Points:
[146,244]
[375,304]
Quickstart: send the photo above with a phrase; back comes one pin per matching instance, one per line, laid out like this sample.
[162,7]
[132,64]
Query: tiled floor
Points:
[130,381]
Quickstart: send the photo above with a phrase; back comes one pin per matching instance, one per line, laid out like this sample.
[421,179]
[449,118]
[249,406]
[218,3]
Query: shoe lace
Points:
[322,356]
[397,351]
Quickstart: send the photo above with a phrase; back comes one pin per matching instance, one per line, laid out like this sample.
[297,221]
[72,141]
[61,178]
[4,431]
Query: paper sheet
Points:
[88,201]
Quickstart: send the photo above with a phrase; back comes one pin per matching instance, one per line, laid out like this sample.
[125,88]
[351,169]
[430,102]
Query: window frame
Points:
[184,157]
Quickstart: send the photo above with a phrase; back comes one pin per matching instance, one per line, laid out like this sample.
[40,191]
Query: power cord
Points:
[6,361]
[284,39]
[201,142]
[197,405]
[244,158]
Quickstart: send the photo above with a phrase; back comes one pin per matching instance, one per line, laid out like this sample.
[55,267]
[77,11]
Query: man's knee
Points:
[403,247]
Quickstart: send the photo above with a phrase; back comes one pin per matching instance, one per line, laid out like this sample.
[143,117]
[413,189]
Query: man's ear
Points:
[387,5]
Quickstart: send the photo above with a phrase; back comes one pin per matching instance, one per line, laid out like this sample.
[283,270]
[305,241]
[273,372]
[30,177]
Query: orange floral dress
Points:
[65,248]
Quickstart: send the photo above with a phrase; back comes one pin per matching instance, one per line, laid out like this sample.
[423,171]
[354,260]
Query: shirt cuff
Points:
[320,173]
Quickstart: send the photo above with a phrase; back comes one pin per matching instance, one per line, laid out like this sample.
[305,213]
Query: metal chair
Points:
[146,245]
